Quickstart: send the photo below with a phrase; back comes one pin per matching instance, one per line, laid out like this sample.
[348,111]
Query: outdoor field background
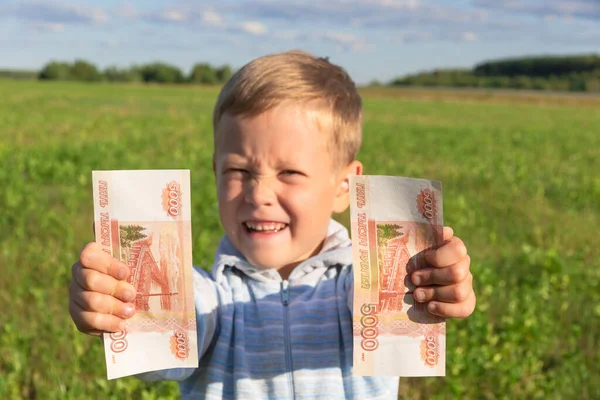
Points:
[521,184]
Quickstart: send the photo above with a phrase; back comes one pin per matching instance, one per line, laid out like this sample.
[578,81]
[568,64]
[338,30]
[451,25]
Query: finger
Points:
[456,293]
[103,303]
[449,253]
[442,276]
[93,257]
[93,323]
[447,233]
[94,281]
[453,310]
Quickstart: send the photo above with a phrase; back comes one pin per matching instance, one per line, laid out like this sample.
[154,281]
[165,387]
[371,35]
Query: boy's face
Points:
[277,185]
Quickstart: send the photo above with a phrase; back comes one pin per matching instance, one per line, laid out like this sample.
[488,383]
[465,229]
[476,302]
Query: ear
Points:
[342,196]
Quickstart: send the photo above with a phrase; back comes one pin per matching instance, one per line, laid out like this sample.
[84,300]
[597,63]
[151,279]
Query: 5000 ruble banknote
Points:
[394,220]
[143,219]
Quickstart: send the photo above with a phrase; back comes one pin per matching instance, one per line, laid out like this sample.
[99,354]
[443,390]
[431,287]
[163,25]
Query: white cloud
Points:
[345,38]
[404,20]
[197,17]
[57,13]
[345,41]
[96,14]
[413,37]
[418,36]
[49,27]
[172,15]
[111,43]
[406,4]
[342,40]
[254,27]
[127,11]
[583,9]
[390,14]
[469,36]
[287,35]
[212,18]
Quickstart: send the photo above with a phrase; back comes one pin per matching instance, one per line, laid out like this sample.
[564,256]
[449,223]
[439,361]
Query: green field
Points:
[521,179]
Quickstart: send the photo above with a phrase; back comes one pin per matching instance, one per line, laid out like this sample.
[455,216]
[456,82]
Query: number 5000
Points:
[369,329]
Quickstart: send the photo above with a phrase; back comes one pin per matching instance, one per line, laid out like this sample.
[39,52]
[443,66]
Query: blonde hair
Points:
[300,77]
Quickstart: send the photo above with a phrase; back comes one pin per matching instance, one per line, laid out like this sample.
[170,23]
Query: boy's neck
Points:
[286,271]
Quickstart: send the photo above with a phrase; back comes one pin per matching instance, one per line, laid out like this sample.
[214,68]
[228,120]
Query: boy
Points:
[274,316]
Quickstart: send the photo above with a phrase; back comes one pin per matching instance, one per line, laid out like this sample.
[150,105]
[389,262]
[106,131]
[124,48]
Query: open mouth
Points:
[264,227]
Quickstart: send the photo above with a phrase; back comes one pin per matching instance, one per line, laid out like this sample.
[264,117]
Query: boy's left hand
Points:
[447,285]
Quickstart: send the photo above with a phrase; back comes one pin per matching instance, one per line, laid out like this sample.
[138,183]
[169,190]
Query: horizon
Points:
[372,39]
[187,72]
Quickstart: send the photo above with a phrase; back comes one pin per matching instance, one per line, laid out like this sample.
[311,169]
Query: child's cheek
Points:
[306,199]
[228,189]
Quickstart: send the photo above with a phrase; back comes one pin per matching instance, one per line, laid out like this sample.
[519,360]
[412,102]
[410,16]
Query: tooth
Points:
[274,227]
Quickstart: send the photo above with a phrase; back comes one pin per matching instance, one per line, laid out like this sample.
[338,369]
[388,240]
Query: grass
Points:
[521,188]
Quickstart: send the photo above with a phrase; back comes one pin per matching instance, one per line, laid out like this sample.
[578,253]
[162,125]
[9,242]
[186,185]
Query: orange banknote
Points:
[394,220]
[143,218]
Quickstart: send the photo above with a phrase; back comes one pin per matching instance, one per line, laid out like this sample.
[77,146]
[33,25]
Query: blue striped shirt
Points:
[261,337]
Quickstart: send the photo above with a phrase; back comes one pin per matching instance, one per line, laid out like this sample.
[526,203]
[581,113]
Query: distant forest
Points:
[556,73]
[158,72]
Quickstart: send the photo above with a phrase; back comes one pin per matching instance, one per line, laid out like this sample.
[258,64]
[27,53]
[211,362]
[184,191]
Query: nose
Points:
[259,192]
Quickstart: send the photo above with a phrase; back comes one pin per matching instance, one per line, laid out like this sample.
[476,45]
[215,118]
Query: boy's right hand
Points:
[99,295]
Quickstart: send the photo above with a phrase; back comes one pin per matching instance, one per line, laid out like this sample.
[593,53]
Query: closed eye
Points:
[236,171]
[291,172]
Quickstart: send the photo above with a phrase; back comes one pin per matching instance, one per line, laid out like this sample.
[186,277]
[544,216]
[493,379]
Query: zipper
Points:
[285,292]
[285,300]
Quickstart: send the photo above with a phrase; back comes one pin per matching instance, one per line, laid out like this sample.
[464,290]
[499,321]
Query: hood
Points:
[335,250]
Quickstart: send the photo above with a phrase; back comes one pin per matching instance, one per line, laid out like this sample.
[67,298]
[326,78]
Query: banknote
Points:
[394,220]
[143,218]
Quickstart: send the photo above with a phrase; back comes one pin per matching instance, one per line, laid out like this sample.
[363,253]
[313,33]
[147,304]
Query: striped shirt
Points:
[262,337]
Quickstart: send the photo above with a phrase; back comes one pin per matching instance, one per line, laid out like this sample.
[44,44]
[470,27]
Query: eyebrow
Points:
[239,159]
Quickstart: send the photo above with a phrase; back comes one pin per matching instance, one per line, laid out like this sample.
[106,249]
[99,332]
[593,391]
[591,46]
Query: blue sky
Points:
[372,39]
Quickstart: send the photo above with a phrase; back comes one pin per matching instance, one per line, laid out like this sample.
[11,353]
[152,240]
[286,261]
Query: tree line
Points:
[568,73]
[556,73]
[157,72]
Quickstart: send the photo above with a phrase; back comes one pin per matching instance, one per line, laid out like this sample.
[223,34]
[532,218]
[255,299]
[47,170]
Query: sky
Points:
[371,39]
